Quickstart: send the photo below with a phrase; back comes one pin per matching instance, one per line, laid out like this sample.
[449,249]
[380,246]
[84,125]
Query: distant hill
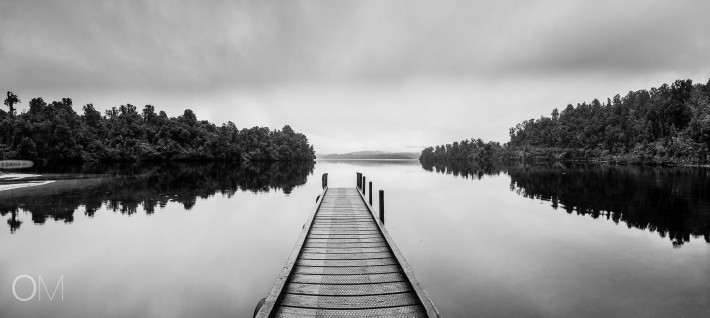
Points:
[371,155]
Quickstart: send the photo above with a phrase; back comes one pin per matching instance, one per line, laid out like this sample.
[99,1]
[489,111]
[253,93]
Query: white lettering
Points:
[34,287]
[61,282]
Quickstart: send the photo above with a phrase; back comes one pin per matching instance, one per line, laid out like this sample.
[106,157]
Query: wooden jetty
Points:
[345,264]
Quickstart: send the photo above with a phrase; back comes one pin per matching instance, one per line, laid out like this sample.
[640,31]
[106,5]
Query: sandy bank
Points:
[7,181]
[4,187]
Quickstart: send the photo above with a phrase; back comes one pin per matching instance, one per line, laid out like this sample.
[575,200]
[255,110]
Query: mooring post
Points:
[324,180]
[382,206]
[370,193]
[357,179]
[364,185]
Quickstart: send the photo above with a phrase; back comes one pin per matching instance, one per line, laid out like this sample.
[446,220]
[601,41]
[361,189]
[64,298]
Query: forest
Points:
[55,132]
[665,125]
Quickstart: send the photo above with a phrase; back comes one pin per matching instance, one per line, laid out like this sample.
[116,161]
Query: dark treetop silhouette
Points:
[125,187]
[55,132]
[668,124]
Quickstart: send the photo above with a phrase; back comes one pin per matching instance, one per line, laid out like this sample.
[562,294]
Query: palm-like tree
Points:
[10,102]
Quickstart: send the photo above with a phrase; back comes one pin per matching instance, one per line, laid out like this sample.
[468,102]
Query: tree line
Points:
[473,149]
[668,124]
[55,132]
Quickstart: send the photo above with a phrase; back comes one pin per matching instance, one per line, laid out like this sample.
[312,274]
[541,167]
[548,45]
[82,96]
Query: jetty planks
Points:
[346,265]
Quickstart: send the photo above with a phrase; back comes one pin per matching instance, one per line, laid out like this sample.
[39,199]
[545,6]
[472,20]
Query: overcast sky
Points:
[351,75]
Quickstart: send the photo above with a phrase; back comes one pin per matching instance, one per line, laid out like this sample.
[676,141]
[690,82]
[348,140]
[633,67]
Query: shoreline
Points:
[20,184]
[622,163]
[588,161]
[16,186]
[643,164]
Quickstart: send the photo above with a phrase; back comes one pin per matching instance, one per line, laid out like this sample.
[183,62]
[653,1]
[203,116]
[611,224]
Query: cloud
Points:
[435,71]
[619,37]
[198,45]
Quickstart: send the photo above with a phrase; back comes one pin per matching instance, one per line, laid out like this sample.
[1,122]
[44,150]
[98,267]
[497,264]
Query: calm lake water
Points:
[186,240]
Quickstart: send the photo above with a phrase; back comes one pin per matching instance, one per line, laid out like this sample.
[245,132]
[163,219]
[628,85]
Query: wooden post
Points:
[357,179]
[382,206]
[364,185]
[324,180]
[370,193]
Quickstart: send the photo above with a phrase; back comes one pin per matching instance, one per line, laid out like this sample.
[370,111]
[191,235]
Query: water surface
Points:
[187,240]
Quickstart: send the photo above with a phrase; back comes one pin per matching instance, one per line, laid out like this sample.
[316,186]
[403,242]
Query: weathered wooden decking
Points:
[346,265]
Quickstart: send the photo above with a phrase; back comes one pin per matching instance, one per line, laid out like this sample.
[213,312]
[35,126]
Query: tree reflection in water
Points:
[126,188]
[463,168]
[671,201]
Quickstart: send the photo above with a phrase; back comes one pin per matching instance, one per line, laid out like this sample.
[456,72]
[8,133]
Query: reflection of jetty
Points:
[346,264]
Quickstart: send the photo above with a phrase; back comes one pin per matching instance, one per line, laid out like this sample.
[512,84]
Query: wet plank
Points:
[349,302]
[346,279]
[345,250]
[347,239]
[339,244]
[346,270]
[347,262]
[345,256]
[349,290]
[397,312]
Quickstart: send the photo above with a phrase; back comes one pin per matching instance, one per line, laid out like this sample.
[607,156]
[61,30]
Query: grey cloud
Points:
[619,37]
[477,66]
[201,45]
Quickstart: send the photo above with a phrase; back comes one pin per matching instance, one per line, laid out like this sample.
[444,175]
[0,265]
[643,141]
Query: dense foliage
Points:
[668,124]
[474,149]
[665,124]
[55,132]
